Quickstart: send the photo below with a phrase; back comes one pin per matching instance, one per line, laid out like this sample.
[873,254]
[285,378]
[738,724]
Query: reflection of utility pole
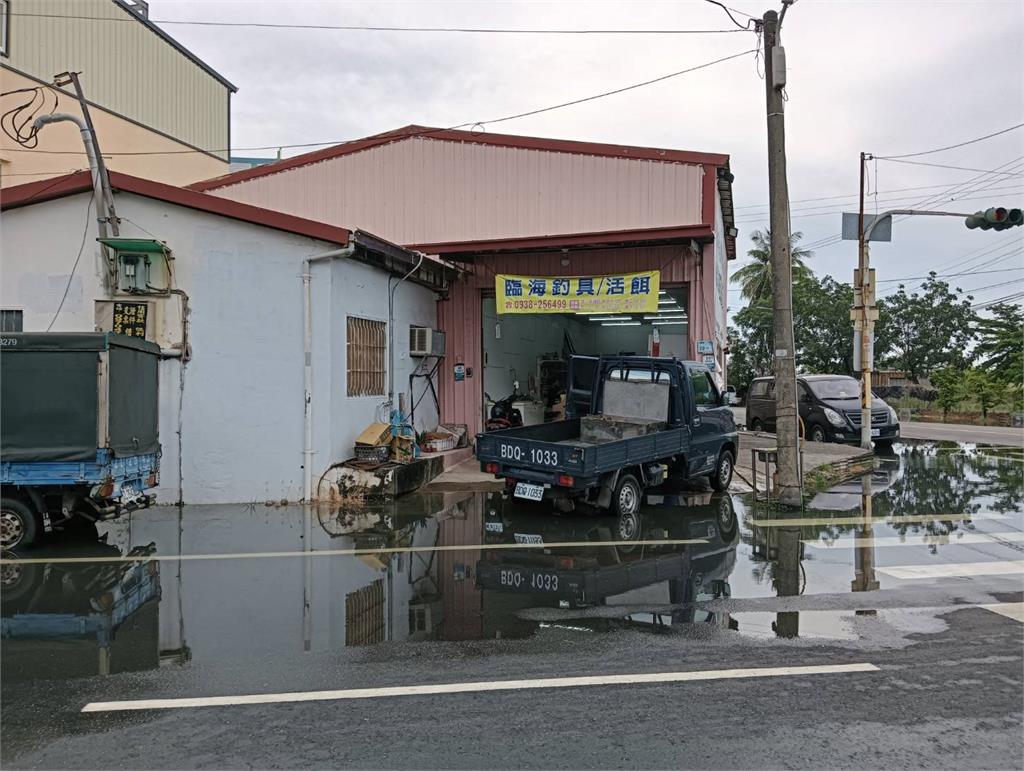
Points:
[864,556]
[781,265]
[787,579]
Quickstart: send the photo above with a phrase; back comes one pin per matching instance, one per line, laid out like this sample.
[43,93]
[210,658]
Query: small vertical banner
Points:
[129,319]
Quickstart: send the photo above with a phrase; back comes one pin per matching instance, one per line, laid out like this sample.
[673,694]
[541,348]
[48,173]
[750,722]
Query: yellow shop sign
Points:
[621,293]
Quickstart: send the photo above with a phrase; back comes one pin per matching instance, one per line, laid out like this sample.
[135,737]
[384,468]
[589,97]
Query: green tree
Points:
[951,386]
[821,320]
[985,389]
[922,333]
[755,278]
[1001,343]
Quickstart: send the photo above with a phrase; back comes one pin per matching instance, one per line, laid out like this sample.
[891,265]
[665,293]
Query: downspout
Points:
[307,350]
[391,335]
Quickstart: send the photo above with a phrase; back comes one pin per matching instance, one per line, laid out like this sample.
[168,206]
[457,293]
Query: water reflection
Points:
[75,619]
[269,581]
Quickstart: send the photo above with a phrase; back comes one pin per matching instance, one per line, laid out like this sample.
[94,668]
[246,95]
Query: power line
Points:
[81,248]
[946,275]
[957,168]
[949,147]
[997,301]
[729,12]
[369,28]
[468,124]
[848,195]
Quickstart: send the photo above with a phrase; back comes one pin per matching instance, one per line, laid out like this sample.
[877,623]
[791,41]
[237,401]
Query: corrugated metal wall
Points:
[460,315]
[422,190]
[125,67]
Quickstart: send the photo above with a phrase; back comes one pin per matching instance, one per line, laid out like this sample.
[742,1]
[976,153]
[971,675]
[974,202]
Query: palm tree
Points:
[755,278]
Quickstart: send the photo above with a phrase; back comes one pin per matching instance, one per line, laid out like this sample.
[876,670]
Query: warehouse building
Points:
[564,247]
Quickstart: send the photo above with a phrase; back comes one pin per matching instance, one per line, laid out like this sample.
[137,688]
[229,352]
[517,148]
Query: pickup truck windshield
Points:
[835,388]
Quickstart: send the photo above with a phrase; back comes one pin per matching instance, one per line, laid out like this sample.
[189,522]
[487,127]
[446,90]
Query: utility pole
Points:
[786,415]
[64,79]
[864,323]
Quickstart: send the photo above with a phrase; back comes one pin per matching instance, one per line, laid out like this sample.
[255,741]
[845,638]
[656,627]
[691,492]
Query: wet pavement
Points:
[548,641]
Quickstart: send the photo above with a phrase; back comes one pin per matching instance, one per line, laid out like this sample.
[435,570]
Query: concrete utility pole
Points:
[786,416]
[864,324]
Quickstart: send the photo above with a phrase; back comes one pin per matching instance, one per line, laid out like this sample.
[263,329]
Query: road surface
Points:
[746,638]
[944,432]
[952,432]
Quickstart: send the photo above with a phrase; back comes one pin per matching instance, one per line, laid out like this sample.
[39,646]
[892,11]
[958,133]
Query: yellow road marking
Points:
[344,552]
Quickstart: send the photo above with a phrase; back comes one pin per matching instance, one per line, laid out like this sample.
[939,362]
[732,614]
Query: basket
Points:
[372,452]
[441,440]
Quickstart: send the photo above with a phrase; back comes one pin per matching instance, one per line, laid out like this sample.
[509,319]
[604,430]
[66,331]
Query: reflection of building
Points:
[149,97]
[80,619]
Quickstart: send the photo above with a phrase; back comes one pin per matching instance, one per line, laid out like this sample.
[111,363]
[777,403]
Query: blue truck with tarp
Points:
[79,430]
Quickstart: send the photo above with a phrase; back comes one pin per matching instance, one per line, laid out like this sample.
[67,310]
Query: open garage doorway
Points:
[532,350]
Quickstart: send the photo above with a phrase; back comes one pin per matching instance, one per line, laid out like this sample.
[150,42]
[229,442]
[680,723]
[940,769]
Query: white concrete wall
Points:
[242,420]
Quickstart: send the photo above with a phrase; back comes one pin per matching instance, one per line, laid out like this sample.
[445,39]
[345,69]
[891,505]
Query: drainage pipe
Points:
[307,350]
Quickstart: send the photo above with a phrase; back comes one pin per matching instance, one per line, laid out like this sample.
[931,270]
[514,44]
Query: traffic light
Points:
[996,218]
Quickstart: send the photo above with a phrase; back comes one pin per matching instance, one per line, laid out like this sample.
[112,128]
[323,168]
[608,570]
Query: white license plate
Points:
[528,491]
[494,527]
[876,432]
[528,538]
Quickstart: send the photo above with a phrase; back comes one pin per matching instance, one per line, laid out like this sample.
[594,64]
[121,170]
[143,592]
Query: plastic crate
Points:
[379,452]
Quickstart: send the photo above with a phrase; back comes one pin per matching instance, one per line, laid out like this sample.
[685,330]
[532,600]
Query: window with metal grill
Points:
[367,347]
[11,320]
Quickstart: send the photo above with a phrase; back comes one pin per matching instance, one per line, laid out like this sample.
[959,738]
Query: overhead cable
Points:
[382,28]
[949,147]
[468,124]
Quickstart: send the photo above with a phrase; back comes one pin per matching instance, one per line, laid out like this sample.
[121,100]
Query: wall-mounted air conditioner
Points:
[424,341]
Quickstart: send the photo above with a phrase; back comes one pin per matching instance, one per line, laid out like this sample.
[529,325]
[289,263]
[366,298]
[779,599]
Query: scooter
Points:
[503,414]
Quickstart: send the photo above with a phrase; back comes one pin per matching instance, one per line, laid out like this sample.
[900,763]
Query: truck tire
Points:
[722,476]
[18,524]
[756,425]
[628,496]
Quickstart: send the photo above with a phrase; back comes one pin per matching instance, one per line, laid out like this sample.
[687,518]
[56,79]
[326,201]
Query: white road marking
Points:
[475,687]
[860,519]
[346,552]
[921,540]
[1001,568]
[1014,610]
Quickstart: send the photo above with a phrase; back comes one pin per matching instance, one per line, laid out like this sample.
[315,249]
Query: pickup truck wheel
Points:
[722,477]
[627,498]
[17,524]
[756,425]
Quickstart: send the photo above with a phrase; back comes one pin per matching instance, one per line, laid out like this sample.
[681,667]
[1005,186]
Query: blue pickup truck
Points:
[631,421]
[78,430]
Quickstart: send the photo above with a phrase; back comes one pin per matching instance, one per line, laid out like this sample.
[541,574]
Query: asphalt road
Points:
[951,432]
[852,638]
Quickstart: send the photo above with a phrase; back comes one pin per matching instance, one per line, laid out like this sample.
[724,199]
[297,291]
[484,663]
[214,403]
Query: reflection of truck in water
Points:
[631,421]
[78,431]
[78,619]
[684,543]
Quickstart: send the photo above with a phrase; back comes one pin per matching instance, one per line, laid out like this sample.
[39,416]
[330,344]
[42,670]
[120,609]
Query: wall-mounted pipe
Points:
[307,351]
[391,334]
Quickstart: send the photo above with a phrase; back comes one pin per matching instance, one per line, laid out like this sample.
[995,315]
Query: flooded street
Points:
[918,564]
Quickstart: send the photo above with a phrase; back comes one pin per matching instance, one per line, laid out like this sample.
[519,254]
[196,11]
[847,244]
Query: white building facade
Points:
[233,394]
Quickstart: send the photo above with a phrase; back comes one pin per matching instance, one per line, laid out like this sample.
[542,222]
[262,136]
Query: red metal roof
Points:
[611,238]
[81,181]
[454,135]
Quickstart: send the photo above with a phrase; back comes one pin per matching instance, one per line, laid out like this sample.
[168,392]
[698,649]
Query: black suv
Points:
[829,409]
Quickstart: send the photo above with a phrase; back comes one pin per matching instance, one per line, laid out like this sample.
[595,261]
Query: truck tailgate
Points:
[548,447]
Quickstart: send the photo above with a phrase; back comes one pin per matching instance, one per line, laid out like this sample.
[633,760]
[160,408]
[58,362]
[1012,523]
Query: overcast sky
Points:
[886,77]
